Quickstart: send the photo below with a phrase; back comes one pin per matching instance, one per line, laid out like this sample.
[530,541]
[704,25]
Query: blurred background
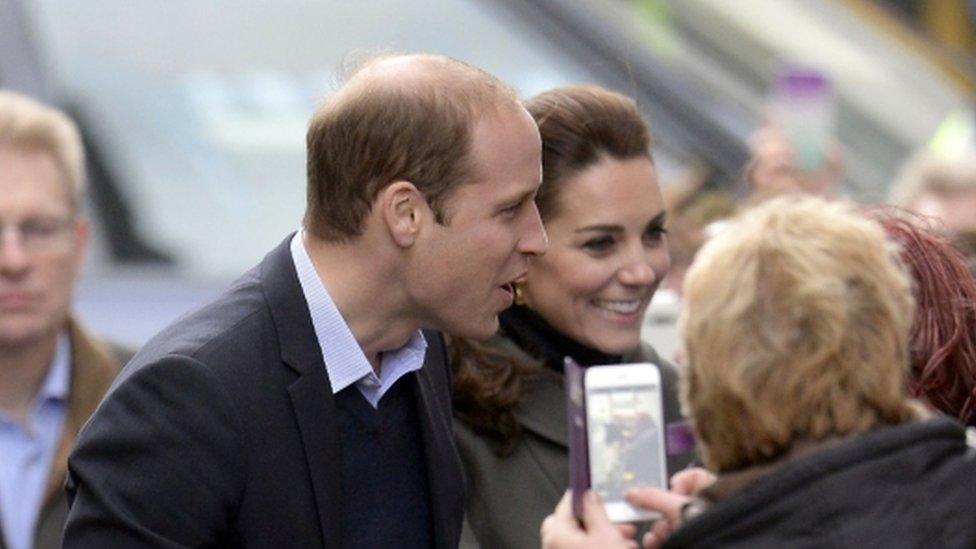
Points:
[194,112]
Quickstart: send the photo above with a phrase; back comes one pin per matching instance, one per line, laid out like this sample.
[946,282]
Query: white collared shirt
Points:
[345,361]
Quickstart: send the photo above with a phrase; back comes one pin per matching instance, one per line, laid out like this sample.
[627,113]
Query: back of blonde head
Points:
[795,326]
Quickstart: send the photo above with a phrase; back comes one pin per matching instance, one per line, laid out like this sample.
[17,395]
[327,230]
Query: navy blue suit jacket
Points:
[222,432]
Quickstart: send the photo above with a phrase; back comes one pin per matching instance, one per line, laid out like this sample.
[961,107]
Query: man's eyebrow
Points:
[518,199]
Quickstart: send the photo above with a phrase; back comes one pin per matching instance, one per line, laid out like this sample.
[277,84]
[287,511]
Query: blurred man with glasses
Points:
[52,374]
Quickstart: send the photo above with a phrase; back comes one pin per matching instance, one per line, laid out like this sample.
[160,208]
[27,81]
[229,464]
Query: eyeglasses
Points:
[39,234]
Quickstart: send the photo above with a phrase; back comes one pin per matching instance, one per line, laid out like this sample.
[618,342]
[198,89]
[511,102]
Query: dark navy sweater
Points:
[385,493]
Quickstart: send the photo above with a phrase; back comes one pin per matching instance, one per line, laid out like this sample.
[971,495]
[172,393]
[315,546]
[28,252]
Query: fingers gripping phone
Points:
[617,434]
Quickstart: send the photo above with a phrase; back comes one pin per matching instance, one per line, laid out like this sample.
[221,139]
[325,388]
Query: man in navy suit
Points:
[309,406]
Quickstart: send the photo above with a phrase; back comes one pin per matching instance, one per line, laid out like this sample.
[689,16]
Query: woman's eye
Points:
[655,235]
[598,244]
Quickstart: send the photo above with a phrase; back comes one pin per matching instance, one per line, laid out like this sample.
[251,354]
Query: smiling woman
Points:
[608,253]
[586,297]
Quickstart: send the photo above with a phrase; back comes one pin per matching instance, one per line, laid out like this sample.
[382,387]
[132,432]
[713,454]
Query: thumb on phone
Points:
[595,517]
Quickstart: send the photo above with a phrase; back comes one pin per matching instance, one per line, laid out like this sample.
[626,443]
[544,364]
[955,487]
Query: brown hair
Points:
[795,324]
[27,123]
[943,336]
[579,126]
[397,118]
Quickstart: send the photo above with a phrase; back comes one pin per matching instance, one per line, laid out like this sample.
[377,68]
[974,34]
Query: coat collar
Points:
[92,371]
[289,311]
[741,497]
[538,410]
[310,394]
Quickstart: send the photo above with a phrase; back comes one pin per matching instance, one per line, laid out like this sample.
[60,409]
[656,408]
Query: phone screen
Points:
[624,434]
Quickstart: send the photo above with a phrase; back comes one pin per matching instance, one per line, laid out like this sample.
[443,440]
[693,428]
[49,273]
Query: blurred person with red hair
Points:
[942,343]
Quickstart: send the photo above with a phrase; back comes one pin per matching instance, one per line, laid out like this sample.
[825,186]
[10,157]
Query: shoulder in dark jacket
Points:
[910,485]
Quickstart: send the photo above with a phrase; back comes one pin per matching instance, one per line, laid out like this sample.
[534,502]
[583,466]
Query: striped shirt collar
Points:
[345,361]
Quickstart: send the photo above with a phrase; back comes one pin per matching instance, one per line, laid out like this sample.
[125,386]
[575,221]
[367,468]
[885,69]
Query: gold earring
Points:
[519,293]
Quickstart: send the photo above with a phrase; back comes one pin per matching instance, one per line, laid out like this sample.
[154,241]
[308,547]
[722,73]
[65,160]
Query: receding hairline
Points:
[407,73]
[398,116]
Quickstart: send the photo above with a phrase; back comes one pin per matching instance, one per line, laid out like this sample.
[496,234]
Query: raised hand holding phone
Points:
[803,106]
[795,149]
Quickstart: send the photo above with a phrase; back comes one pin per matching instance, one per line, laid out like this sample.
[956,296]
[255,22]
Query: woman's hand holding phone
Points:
[561,530]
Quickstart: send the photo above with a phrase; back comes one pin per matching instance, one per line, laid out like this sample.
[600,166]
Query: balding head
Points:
[397,118]
[426,71]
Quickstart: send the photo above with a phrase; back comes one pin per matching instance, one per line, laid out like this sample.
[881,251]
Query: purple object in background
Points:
[679,438]
[800,82]
[579,461]
[803,105]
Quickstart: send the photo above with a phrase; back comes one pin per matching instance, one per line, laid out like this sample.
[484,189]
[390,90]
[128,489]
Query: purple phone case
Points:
[579,462]
[679,438]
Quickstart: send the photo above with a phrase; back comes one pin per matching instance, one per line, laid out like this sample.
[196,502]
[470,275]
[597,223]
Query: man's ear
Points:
[403,209]
[81,232]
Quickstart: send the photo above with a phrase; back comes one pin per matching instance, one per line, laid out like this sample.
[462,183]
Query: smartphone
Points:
[624,435]
[804,106]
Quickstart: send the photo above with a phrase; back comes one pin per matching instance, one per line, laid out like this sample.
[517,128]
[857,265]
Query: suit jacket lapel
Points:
[311,393]
[443,463]
[315,413]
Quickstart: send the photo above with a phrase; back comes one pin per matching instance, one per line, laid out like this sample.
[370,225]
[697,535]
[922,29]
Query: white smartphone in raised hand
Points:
[625,433]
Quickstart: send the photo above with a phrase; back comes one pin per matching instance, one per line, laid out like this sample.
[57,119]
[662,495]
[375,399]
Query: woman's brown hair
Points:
[579,125]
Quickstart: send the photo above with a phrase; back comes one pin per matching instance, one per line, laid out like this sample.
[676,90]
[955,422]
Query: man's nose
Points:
[13,255]
[534,240]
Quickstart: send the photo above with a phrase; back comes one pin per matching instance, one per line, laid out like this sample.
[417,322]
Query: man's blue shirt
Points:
[27,451]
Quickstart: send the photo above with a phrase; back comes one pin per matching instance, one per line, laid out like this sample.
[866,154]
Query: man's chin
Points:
[13,335]
[478,331]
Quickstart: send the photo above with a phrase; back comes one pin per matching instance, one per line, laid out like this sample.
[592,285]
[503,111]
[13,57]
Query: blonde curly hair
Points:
[795,326]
